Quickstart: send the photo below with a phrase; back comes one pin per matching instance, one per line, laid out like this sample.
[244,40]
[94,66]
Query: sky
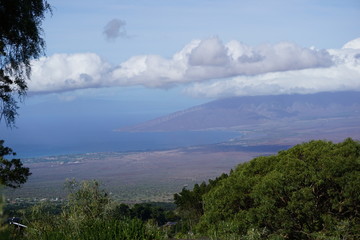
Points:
[112,63]
[203,50]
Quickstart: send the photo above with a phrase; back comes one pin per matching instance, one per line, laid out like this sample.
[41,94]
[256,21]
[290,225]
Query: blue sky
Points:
[164,27]
[114,63]
[192,47]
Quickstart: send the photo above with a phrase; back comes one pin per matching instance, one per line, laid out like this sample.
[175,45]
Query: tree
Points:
[88,214]
[189,203]
[310,191]
[12,172]
[20,42]
[86,200]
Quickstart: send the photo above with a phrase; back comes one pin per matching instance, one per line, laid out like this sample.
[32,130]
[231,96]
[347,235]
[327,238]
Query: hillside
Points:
[250,112]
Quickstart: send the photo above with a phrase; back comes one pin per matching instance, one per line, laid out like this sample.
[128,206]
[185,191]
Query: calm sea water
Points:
[107,141]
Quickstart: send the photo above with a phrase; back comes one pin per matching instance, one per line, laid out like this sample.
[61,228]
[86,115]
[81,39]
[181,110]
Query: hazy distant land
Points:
[264,125]
[254,113]
[134,176]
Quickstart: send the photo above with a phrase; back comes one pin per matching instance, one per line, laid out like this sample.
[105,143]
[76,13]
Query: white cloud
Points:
[64,72]
[210,68]
[343,75]
[354,44]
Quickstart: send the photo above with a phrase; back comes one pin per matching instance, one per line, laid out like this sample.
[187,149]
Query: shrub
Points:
[308,191]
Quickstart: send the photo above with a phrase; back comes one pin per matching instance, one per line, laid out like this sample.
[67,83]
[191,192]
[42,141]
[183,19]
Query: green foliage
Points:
[96,229]
[190,202]
[310,191]
[146,212]
[121,211]
[90,214]
[20,41]
[86,200]
[12,172]
[4,232]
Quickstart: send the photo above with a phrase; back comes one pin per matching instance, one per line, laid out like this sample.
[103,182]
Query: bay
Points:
[112,141]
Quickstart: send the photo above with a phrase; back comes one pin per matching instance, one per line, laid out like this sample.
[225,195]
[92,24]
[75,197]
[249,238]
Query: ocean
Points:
[111,141]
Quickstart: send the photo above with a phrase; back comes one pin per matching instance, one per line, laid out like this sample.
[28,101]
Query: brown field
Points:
[139,176]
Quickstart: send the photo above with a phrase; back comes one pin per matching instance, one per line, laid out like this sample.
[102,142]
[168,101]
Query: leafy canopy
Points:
[190,203]
[310,191]
[20,42]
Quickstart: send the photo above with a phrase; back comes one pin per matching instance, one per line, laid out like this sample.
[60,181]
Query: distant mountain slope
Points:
[238,112]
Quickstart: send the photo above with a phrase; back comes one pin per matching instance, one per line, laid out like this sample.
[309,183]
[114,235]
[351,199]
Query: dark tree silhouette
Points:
[12,172]
[20,42]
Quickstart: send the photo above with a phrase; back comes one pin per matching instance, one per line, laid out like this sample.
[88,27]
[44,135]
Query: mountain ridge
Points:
[238,112]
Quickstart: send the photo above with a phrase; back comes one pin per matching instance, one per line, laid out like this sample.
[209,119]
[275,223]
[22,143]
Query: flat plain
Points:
[130,177]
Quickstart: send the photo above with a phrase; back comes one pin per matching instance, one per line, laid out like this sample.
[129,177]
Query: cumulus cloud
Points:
[115,29]
[210,68]
[65,72]
[343,75]
[353,44]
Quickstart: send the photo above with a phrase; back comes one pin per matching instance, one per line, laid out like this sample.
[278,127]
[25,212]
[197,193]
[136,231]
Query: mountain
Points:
[254,112]
[263,125]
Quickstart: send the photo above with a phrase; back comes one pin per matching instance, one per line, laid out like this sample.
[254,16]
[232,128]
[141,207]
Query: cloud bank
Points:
[210,68]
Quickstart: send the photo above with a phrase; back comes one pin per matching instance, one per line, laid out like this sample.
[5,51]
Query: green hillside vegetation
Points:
[310,191]
[90,213]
